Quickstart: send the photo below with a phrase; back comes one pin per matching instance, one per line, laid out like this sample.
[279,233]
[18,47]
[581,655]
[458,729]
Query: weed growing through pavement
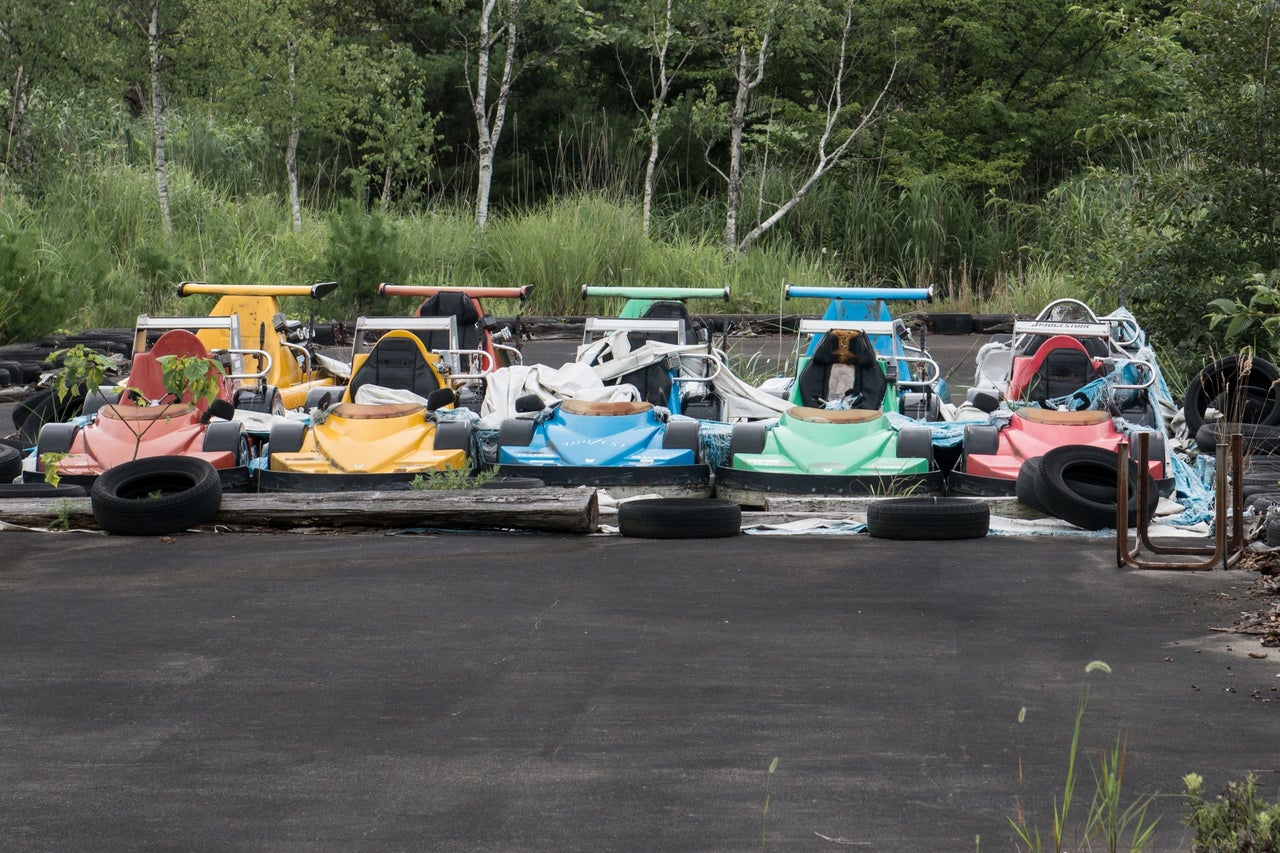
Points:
[1114,826]
[442,481]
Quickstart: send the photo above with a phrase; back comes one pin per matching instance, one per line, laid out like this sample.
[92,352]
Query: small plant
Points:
[1106,819]
[443,481]
[81,367]
[199,377]
[1236,820]
[768,794]
[62,511]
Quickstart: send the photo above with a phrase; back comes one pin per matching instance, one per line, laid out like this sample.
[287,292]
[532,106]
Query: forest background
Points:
[1005,153]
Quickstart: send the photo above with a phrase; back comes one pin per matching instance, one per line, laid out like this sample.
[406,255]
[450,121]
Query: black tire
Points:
[516,432]
[1273,532]
[286,437]
[915,443]
[683,435]
[1250,397]
[223,436]
[101,397]
[1077,483]
[746,438]
[55,438]
[324,397]
[1254,438]
[513,483]
[268,401]
[156,495]
[1262,501]
[10,464]
[1027,483]
[680,518]
[20,491]
[6,378]
[928,518]
[453,435]
[981,440]
[45,407]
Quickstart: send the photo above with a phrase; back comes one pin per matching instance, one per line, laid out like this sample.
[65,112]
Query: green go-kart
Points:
[836,440]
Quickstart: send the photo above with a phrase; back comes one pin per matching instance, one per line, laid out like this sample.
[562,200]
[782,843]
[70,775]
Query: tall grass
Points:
[98,238]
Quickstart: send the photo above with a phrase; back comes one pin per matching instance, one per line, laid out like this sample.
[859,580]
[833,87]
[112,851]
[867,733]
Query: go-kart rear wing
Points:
[315,291]
[657,293]
[1056,327]
[521,292]
[450,358]
[874,328]
[902,294]
[594,328]
[231,325]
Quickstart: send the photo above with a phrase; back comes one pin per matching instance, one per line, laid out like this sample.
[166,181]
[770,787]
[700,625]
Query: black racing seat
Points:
[669,309]
[653,381]
[1062,372]
[396,363]
[844,364]
[450,303]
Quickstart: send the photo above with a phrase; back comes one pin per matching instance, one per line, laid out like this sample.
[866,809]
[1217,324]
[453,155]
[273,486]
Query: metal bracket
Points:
[1228,499]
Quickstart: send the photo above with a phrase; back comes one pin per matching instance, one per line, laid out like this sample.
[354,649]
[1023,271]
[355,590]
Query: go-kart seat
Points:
[843,364]
[449,303]
[653,381]
[1061,367]
[668,309]
[396,363]
[145,372]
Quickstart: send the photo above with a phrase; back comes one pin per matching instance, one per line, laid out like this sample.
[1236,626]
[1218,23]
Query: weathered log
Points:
[540,510]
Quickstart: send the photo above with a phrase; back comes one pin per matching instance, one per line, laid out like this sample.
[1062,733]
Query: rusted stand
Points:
[1228,497]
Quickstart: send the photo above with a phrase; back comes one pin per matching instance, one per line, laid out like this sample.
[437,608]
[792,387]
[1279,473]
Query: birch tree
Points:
[276,64]
[667,40]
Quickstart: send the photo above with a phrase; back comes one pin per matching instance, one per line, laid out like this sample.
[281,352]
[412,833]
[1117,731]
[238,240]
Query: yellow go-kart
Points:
[390,424]
[295,369]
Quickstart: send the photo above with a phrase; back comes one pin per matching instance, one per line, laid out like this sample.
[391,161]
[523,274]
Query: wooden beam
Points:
[540,510]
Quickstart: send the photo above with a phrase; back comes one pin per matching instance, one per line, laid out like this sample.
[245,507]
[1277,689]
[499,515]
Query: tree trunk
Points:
[488,131]
[291,151]
[157,118]
[748,77]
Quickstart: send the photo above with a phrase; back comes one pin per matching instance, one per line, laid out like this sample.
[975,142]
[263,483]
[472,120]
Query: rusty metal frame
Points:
[1228,500]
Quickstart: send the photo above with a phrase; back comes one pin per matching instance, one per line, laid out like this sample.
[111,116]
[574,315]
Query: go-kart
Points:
[924,392]
[836,439]
[389,425]
[476,329]
[294,368]
[141,417]
[623,416]
[1065,378]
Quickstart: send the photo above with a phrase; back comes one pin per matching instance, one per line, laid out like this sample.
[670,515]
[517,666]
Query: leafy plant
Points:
[1256,322]
[50,462]
[1236,821]
[441,481]
[81,367]
[199,377]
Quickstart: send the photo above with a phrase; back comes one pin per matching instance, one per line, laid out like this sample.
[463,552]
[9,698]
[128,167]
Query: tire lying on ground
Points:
[22,491]
[1025,486]
[10,464]
[156,495]
[679,518]
[928,518]
[1077,483]
[1243,389]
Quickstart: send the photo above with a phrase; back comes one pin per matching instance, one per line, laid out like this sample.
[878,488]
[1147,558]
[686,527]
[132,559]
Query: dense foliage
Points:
[1005,152]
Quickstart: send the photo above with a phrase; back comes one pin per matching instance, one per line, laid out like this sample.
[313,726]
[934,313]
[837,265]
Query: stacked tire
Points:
[1077,483]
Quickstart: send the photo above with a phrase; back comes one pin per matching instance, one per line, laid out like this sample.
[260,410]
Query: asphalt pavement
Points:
[501,692]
